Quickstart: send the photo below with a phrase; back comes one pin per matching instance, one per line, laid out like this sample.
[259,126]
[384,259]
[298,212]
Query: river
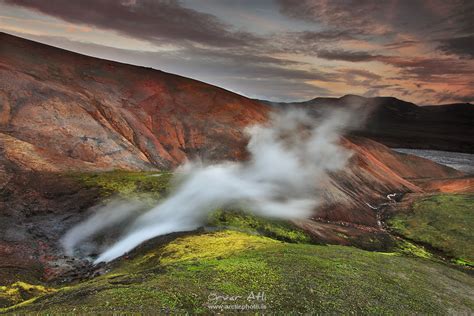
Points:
[460,161]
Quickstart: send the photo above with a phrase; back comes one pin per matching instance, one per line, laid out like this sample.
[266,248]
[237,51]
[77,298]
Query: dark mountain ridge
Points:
[397,123]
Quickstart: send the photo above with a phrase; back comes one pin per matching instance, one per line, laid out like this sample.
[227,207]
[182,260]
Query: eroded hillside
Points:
[65,111]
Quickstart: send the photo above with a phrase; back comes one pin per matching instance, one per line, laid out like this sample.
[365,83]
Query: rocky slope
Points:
[397,123]
[63,111]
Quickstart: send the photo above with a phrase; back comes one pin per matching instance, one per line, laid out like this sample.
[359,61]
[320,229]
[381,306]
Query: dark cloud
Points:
[355,15]
[454,17]
[151,20]
[450,21]
[426,43]
[385,17]
[362,78]
[243,56]
[321,36]
[429,69]
[254,64]
[381,86]
[252,76]
[401,44]
[365,79]
[423,68]
[463,46]
[361,73]
[456,96]
[352,56]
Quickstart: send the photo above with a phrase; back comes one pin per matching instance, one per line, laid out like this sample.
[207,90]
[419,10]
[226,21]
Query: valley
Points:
[391,233]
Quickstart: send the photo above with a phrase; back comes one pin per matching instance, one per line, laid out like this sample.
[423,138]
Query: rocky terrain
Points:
[73,112]
[78,132]
[397,123]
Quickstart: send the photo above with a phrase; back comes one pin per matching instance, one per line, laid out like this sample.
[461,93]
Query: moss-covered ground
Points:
[250,262]
[20,291]
[277,229]
[443,221]
[146,186]
[197,272]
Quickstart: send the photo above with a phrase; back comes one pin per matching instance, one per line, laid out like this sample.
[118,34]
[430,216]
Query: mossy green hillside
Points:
[152,186]
[190,273]
[127,184]
[444,221]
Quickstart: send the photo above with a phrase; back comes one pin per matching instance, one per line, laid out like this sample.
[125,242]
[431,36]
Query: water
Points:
[460,161]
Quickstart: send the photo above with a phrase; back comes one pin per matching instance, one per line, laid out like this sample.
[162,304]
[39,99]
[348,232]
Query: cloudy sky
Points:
[280,50]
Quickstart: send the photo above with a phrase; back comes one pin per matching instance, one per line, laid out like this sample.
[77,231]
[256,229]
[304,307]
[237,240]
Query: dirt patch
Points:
[35,210]
[456,185]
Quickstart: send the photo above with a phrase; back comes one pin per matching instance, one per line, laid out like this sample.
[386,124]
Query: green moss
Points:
[188,274]
[20,291]
[443,221]
[145,186]
[277,229]
[216,245]
[408,248]
[462,262]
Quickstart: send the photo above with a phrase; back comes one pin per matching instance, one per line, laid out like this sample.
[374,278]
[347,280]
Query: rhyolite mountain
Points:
[397,123]
[64,111]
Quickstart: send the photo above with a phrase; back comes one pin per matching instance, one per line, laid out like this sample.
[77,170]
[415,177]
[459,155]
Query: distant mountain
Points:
[397,123]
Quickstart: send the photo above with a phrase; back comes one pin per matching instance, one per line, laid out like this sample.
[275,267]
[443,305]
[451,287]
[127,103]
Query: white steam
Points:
[106,217]
[288,159]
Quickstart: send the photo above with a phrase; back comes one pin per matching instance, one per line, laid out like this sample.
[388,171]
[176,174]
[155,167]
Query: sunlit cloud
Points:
[421,51]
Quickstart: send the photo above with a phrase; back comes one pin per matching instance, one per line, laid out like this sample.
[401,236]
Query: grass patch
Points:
[443,221]
[193,273]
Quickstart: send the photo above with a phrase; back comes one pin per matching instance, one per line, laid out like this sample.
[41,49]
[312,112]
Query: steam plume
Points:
[288,159]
